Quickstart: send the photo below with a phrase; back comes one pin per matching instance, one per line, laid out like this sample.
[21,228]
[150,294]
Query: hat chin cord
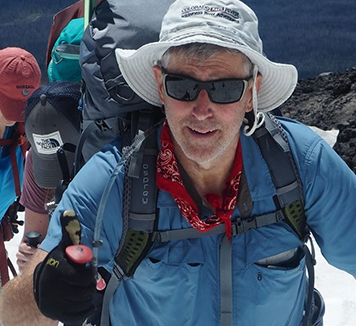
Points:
[259,117]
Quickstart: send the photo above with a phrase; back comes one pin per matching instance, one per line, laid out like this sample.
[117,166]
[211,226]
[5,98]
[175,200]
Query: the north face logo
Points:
[47,144]
[50,143]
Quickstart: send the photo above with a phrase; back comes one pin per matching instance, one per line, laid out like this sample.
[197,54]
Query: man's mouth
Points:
[202,132]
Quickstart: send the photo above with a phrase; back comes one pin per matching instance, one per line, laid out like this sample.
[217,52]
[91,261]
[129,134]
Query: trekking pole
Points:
[78,253]
[33,238]
[89,6]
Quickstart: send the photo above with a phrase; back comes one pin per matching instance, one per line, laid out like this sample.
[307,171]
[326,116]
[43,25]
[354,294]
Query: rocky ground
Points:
[328,102]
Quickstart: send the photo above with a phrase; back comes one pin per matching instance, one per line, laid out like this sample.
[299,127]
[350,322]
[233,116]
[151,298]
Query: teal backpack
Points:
[64,63]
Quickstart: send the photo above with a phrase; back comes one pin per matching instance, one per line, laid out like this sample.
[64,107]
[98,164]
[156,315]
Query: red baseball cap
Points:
[20,76]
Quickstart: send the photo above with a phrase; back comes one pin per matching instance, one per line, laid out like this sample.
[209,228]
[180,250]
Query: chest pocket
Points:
[187,254]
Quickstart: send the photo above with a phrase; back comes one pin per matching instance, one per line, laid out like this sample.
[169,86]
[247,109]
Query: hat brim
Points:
[278,80]
[12,110]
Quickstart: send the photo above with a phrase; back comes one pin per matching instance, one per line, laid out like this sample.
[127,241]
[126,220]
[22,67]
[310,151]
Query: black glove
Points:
[63,285]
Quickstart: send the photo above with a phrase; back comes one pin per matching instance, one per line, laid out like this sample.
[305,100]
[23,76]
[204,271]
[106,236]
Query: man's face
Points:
[202,131]
[4,121]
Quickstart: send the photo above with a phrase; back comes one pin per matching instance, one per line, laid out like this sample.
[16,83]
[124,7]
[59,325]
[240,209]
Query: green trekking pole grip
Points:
[71,230]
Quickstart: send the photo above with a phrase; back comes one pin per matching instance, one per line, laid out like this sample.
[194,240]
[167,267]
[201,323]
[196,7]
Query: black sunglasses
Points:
[222,91]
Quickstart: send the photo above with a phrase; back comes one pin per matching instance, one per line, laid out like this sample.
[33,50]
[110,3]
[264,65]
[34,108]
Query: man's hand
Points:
[24,254]
[63,285]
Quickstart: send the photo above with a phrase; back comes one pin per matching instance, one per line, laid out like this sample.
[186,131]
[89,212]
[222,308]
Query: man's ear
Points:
[258,82]
[249,105]
[157,72]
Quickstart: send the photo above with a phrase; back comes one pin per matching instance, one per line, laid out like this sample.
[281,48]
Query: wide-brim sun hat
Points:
[230,24]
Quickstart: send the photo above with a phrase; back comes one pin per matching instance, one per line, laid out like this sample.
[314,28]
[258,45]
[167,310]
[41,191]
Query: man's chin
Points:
[200,156]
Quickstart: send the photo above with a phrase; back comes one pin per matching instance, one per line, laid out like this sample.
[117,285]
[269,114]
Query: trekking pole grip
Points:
[33,238]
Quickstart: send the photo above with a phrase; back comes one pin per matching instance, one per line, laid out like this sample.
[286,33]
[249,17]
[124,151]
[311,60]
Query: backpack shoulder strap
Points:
[289,198]
[21,138]
[139,210]
[140,197]
[22,141]
[274,146]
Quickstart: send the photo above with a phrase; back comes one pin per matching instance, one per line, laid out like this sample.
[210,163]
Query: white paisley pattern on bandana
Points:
[170,180]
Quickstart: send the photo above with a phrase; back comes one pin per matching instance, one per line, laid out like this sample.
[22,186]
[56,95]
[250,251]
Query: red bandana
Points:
[169,179]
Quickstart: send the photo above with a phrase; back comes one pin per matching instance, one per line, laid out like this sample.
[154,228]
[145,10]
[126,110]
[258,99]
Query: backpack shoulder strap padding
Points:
[273,144]
[140,196]
[139,212]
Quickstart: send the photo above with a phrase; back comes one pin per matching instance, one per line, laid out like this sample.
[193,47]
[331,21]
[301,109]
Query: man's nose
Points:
[202,105]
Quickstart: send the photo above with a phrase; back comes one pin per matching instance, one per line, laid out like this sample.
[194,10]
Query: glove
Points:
[63,285]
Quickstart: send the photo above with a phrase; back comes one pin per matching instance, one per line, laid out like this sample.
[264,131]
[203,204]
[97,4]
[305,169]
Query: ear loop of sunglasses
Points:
[258,116]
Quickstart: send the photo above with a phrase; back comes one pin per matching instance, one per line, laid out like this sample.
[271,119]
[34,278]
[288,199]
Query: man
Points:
[209,73]
[20,75]
[57,101]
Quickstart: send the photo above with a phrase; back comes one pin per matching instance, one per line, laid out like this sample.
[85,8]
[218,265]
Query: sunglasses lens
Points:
[181,88]
[226,91]
[219,91]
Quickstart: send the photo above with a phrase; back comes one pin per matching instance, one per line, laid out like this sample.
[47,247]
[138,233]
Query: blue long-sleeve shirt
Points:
[178,283]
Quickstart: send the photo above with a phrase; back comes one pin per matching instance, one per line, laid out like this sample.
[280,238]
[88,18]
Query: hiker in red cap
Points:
[20,75]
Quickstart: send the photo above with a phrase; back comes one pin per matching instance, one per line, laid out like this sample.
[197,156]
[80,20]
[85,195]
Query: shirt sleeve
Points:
[331,206]
[329,193]
[84,197]
[329,188]
[34,197]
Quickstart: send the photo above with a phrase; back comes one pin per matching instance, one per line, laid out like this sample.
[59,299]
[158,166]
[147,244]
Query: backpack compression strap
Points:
[102,125]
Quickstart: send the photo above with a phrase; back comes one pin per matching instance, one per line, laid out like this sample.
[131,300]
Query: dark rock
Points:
[307,89]
[342,125]
[328,102]
[353,78]
[342,89]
